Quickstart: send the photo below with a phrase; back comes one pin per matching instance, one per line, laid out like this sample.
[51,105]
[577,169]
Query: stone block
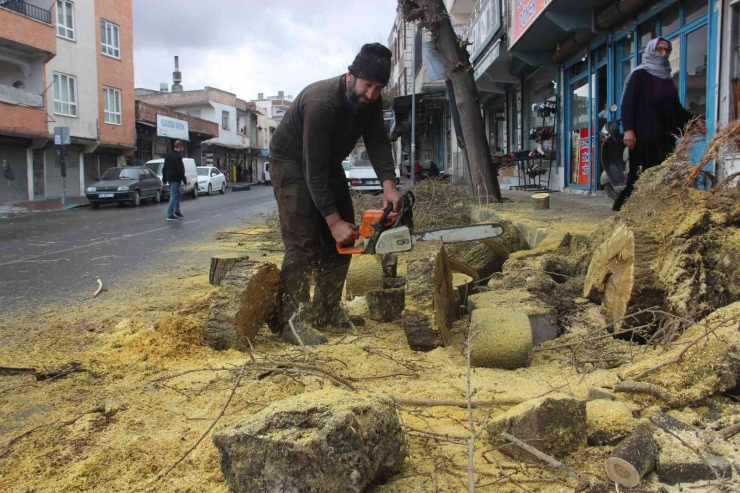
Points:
[326,441]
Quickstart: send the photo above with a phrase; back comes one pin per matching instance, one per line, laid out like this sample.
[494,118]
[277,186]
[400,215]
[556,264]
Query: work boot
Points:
[309,336]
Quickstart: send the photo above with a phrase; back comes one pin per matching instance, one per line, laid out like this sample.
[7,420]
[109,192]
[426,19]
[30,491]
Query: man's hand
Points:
[391,195]
[630,139]
[343,232]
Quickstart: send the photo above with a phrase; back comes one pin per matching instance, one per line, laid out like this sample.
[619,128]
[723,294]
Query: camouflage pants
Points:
[310,249]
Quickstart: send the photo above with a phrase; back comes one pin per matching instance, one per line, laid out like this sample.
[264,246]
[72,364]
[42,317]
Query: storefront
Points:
[585,82]
[594,79]
[157,129]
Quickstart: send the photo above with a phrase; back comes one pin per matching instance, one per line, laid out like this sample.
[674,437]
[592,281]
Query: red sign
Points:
[523,13]
[584,163]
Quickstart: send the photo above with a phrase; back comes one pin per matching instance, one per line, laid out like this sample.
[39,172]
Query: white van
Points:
[191,175]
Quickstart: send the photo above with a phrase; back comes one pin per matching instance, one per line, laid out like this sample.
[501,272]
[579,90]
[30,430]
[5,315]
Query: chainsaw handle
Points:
[349,250]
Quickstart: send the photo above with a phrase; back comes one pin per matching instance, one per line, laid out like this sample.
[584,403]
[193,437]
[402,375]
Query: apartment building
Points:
[234,149]
[271,112]
[64,63]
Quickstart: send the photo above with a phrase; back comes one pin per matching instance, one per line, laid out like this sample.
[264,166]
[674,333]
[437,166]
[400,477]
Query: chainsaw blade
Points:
[460,234]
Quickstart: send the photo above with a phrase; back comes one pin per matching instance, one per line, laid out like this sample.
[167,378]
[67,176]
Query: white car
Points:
[191,176]
[210,179]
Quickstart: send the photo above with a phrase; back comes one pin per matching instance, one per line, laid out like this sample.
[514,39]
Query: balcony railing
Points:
[27,9]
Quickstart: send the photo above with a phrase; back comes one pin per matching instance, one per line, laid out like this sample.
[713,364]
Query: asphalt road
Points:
[56,256]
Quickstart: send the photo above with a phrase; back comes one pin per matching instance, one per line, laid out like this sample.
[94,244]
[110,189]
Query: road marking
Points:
[193,221]
[217,215]
[83,246]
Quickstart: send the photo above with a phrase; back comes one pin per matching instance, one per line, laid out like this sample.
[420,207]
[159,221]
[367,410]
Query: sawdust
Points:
[143,347]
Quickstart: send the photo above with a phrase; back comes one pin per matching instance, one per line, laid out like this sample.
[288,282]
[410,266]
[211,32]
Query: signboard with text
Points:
[523,13]
[172,128]
[586,150]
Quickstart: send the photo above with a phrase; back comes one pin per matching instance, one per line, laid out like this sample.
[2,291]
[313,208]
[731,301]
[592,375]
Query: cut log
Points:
[488,256]
[365,274]
[389,261]
[621,272]
[247,299]
[328,441]
[633,458]
[221,265]
[429,308]
[394,282]
[541,201]
[385,305]
[503,339]
[608,421]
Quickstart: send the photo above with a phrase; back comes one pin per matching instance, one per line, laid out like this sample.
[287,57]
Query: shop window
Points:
[675,60]
[670,20]
[579,68]
[648,30]
[626,69]
[602,53]
[693,9]
[627,45]
[696,72]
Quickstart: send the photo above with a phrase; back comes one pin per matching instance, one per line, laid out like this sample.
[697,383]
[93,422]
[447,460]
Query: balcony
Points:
[28,10]
[24,27]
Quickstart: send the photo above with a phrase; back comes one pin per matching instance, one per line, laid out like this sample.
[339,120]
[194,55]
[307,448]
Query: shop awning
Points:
[538,37]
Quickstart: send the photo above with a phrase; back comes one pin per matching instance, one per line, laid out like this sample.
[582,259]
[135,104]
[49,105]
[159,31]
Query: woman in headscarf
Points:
[651,113]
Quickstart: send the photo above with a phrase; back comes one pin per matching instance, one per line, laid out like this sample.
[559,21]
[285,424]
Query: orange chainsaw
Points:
[380,233]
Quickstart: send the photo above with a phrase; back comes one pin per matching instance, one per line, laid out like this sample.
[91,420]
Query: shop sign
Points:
[524,12]
[485,25]
[585,143]
[172,128]
[487,60]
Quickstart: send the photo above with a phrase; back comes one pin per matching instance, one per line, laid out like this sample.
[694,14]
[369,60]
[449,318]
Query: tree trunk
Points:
[365,274]
[433,16]
[621,272]
[222,264]
[247,299]
[429,310]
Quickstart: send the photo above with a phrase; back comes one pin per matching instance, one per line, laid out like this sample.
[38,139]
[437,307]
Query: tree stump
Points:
[247,299]
[541,201]
[430,308]
[365,274]
[621,272]
[221,265]
[633,458]
[385,305]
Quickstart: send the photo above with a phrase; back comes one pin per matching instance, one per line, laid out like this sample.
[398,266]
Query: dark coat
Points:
[173,170]
[651,107]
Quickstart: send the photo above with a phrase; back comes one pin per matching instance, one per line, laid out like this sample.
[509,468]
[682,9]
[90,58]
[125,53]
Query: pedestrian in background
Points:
[173,172]
[652,114]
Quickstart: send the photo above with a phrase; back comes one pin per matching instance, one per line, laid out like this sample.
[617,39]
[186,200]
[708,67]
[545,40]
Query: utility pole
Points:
[413,109]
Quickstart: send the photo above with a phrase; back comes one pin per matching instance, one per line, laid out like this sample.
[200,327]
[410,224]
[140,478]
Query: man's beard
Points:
[353,99]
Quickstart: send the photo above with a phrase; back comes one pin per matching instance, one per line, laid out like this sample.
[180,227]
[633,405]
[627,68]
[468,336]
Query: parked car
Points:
[266,174]
[191,175]
[121,185]
[210,179]
[361,175]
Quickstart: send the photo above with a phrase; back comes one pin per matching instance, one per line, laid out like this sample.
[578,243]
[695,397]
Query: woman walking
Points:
[651,113]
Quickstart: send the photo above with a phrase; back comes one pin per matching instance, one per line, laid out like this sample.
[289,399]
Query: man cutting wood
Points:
[316,134]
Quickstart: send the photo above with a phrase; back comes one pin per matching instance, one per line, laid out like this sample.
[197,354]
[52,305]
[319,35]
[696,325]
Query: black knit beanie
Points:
[373,62]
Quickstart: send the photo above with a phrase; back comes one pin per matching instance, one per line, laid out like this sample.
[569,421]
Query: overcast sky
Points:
[248,46]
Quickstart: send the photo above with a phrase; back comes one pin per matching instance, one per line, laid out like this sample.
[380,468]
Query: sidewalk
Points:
[241,186]
[43,205]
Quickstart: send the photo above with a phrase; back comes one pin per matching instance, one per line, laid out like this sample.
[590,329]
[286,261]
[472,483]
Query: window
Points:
[225,120]
[65,19]
[65,95]
[111,44]
[111,106]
